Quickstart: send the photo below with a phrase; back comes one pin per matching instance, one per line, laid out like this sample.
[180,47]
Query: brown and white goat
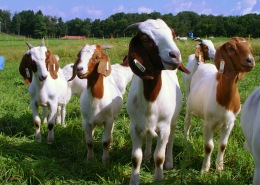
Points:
[26,71]
[48,86]
[101,100]
[155,99]
[204,51]
[214,95]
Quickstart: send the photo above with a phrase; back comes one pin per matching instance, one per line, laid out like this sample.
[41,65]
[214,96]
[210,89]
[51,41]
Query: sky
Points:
[102,9]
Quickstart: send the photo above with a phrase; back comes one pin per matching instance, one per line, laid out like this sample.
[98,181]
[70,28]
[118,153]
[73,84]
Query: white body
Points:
[100,112]
[158,118]
[122,76]
[202,103]
[250,124]
[49,93]
[97,112]
[192,66]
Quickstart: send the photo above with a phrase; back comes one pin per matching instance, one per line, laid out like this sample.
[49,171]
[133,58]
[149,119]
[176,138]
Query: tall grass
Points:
[24,161]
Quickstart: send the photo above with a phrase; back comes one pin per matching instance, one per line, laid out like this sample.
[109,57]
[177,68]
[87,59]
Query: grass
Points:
[24,161]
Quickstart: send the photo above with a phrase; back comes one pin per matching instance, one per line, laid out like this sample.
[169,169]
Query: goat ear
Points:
[74,71]
[52,64]
[231,49]
[25,69]
[104,66]
[138,52]
[173,33]
[198,52]
[183,69]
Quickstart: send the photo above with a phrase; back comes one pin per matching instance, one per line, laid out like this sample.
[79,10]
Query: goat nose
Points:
[79,68]
[250,59]
[172,55]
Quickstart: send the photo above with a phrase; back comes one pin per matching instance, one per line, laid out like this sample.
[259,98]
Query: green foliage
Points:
[24,161]
[37,25]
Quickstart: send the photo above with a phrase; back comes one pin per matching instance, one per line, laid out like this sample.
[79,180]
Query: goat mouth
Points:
[248,66]
[82,76]
[171,65]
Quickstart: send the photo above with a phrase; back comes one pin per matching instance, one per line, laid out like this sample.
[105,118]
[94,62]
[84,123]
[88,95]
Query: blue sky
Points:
[102,9]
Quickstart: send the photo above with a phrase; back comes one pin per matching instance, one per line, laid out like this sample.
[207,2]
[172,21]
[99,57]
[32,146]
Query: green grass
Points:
[24,161]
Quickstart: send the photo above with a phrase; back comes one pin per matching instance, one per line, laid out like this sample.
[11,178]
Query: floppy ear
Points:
[74,71]
[104,66]
[173,33]
[231,48]
[198,52]
[183,69]
[25,69]
[52,64]
[137,56]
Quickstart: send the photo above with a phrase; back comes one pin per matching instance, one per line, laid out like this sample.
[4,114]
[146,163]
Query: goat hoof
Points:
[168,166]
[38,138]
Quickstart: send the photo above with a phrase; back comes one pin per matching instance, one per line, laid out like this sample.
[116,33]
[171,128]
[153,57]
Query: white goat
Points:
[101,100]
[250,124]
[214,95]
[155,99]
[205,50]
[48,87]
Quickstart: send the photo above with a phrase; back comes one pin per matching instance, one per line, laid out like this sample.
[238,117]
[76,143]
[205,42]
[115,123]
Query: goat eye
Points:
[145,39]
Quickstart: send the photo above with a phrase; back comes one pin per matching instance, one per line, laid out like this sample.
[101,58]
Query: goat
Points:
[27,73]
[101,100]
[48,87]
[154,99]
[204,51]
[121,73]
[214,95]
[250,119]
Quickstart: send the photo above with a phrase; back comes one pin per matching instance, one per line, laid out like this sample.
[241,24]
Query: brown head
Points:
[91,58]
[236,57]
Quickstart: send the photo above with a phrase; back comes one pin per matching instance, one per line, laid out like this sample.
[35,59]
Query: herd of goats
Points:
[154,100]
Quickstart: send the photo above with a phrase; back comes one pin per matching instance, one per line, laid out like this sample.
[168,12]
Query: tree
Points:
[51,25]
[5,19]
[62,28]
[39,25]
[16,24]
[27,23]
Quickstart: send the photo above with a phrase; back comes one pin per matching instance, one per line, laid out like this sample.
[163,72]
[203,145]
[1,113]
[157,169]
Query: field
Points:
[24,161]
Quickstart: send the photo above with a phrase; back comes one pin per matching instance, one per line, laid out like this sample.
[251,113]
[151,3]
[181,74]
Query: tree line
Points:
[36,25]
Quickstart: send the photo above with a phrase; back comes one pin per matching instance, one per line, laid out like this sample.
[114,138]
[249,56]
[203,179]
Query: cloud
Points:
[144,10]
[176,6]
[52,11]
[85,11]
[245,7]
[120,8]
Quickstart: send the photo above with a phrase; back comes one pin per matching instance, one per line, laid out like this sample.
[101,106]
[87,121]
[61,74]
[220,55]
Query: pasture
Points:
[24,161]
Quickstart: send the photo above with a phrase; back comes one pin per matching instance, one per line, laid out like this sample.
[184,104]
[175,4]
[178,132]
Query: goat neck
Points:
[232,59]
